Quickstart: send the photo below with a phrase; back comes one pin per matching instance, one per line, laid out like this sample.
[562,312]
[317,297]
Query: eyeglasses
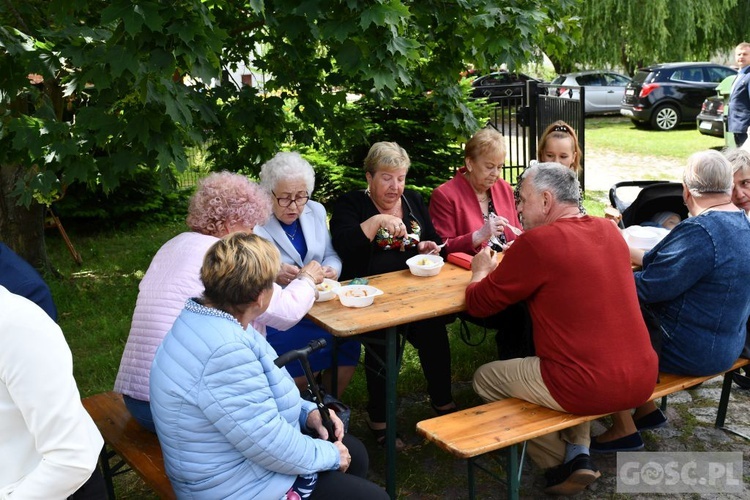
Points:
[560,128]
[299,201]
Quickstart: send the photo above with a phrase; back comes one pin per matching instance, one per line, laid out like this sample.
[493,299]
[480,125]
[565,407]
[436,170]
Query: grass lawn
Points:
[96,301]
[617,134]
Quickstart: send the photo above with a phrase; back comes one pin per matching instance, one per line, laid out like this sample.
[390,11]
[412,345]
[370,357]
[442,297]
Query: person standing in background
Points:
[738,119]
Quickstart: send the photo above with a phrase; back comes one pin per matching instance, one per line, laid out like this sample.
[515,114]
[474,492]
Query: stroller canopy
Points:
[654,197]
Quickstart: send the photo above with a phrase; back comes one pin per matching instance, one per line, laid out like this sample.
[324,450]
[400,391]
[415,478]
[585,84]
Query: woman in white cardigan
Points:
[299,229]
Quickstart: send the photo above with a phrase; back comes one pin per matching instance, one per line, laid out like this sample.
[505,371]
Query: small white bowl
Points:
[357,295]
[425,264]
[326,290]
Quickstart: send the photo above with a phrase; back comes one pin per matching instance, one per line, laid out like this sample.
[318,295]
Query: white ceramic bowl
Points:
[357,295]
[327,289]
[425,265]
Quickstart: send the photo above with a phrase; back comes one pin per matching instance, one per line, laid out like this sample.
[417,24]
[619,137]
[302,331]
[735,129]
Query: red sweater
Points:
[575,275]
[456,213]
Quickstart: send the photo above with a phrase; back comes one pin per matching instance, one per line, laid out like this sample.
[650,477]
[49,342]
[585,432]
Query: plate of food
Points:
[357,295]
[326,289]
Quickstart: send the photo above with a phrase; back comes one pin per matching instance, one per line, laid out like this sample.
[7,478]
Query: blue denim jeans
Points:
[141,411]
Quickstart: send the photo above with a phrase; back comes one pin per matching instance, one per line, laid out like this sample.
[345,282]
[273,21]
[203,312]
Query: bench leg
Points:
[664,404]
[470,475]
[721,413]
[107,472]
[726,389]
[514,472]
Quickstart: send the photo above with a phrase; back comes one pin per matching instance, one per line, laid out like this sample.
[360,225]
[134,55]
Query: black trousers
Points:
[353,483]
[430,339]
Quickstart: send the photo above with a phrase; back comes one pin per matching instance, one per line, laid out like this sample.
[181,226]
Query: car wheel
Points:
[665,117]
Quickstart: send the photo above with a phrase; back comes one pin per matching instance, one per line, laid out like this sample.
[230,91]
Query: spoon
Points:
[439,247]
[515,230]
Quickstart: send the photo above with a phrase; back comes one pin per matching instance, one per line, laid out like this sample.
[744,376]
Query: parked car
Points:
[500,84]
[603,90]
[710,120]
[665,95]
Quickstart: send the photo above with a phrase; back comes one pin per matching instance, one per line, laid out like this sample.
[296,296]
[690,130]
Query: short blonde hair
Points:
[484,140]
[708,172]
[386,156]
[237,268]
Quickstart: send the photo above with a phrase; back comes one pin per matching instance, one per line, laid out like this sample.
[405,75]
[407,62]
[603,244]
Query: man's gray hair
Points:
[288,166]
[558,179]
[708,172]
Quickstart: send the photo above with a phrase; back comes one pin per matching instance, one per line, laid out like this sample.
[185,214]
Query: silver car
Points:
[603,89]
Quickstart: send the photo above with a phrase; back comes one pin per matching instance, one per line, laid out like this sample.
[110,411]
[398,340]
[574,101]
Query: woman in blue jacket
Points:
[231,424]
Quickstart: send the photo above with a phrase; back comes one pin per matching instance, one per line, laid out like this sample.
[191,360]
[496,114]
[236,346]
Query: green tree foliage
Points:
[631,34]
[112,97]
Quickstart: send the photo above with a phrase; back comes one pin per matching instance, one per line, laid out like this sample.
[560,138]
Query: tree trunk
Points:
[21,228]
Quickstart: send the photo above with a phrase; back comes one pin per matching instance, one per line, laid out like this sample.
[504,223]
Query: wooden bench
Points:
[509,423]
[136,447]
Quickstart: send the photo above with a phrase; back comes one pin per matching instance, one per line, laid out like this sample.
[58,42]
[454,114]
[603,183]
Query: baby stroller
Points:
[653,197]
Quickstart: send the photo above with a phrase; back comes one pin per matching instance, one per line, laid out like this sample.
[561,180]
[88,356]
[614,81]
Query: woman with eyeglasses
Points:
[299,230]
[223,203]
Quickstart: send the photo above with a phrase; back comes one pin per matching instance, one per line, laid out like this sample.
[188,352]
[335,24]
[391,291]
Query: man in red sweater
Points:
[593,353]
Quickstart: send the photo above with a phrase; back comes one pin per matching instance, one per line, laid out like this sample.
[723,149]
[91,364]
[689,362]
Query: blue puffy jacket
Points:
[227,418]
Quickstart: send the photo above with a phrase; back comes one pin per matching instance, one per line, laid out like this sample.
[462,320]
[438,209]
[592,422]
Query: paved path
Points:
[604,169]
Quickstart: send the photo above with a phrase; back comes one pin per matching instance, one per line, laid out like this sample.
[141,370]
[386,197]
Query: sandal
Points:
[379,435]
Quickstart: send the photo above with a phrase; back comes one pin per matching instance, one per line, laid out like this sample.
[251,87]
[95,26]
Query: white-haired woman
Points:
[299,230]
[697,283]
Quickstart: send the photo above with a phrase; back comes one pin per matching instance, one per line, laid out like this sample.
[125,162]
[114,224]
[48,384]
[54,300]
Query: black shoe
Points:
[446,411]
[653,420]
[571,477]
[631,442]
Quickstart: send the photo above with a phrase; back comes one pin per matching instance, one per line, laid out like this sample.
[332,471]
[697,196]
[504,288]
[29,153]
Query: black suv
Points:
[665,95]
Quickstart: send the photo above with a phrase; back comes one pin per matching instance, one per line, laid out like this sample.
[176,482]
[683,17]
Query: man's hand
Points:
[483,264]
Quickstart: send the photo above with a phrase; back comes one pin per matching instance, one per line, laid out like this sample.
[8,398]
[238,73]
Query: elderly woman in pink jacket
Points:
[223,203]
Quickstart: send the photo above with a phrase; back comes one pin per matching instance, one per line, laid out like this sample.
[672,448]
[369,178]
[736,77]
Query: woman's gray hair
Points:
[287,165]
[740,160]
[708,172]
[558,179]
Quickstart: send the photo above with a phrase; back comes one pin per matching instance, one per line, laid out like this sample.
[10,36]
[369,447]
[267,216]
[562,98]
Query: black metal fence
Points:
[522,111]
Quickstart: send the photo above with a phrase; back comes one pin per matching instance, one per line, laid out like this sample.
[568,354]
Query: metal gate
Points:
[523,113]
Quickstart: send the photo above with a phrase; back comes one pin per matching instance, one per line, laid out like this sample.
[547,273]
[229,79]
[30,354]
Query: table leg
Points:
[391,374]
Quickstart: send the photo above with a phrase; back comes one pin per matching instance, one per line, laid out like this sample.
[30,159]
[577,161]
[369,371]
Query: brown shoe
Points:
[571,477]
